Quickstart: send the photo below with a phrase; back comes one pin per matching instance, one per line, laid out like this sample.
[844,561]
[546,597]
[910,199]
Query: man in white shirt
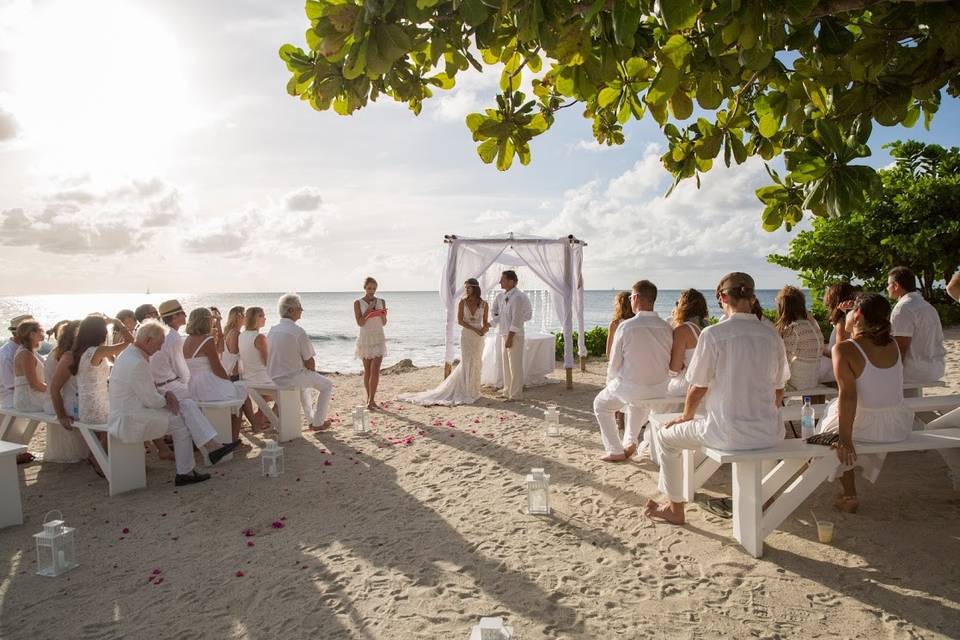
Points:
[638,369]
[511,308]
[916,328]
[7,354]
[742,362]
[138,412]
[290,361]
[953,287]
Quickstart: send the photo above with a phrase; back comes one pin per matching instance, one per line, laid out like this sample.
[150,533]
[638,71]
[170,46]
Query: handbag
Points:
[827,439]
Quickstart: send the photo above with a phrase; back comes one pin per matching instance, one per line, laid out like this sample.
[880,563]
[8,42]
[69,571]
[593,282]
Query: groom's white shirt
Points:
[510,310]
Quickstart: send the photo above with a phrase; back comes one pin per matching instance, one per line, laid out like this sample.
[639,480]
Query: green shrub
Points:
[595,340]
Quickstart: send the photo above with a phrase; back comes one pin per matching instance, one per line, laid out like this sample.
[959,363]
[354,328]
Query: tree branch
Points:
[833,7]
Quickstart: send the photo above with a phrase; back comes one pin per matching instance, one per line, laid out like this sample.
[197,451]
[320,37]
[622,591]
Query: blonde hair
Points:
[250,318]
[234,319]
[199,323]
[24,331]
[621,306]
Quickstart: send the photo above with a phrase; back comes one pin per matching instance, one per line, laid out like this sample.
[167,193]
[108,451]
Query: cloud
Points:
[303,199]
[271,232]
[69,233]
[593,146]
[646,175]
[8,126]
[473,93]
[492,215]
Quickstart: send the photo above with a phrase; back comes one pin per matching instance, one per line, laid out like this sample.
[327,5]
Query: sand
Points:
[418,529]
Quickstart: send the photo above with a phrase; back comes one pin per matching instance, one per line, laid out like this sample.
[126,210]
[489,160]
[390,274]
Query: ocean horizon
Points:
[414,330]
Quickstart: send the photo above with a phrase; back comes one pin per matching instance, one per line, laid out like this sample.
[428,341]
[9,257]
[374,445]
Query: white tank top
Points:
[688,353]
[879,388]
[250,359]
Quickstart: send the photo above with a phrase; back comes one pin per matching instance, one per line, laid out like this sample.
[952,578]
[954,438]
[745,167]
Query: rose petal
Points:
[158,580]
[249,543]
[327,463]
[239,574]
[125,530]
[156,572]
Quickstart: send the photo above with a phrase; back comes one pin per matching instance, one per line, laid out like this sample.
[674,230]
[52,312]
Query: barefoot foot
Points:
[614,457]
[629,451]
[667,511]
[846,504]
[323,427]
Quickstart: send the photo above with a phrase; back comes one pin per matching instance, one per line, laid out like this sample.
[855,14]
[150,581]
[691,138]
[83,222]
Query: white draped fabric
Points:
[557,262]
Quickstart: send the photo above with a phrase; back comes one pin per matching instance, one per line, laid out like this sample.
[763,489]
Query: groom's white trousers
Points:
[512,367]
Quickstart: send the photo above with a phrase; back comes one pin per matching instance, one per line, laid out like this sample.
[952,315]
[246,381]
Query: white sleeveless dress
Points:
[253,370]
[371,342]
[206,386]
[92,388]
[462,386]
[62,445]
[881,414]
[678,385]
[25,397]
[230,360]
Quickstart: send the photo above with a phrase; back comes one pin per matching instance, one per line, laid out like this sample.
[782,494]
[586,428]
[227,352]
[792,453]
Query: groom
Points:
[511,309]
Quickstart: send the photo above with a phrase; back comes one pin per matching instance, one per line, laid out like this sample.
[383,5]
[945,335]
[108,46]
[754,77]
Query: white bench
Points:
[123,463]
[921,404]
[219,414]
[830,392]
[289,423]
[11,507]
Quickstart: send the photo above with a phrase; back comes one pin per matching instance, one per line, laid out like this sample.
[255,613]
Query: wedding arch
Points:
[557,262]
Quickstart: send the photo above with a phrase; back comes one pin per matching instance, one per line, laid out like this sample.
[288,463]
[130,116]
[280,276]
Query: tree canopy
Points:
[912,221]
[737,78]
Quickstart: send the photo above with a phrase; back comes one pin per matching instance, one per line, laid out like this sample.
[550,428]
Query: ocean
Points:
[414,330]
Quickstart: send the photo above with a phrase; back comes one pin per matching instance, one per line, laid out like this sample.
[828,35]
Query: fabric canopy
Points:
[557,263]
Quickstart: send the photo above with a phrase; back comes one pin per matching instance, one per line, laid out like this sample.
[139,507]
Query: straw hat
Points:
[16,321]
[169,308]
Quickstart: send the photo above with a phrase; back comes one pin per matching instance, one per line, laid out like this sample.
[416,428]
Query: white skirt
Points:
[371,342]
[884,424]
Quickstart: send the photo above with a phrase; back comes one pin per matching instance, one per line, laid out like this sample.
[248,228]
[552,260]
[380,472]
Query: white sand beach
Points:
[418,529]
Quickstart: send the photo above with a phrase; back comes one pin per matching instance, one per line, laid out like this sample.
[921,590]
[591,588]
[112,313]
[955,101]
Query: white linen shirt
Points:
[168,363]
[640,357]
[743,363]
[7,354]
[510,310]
[137,409]
[917,319]
[288,346]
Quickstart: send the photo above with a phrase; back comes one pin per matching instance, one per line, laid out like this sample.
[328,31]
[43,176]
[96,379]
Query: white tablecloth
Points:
[539,358]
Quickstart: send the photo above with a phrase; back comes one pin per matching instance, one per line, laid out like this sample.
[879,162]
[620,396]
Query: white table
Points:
[539,359]
[11,509]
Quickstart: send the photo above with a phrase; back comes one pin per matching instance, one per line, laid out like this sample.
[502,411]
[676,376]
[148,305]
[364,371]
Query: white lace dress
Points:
[677,386]
[371,342]
[462,386]
[25,397]
[206,386]
[62,445]
[92,388]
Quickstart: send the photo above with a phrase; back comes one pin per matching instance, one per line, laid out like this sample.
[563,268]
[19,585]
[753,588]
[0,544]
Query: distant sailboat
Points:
[148,290]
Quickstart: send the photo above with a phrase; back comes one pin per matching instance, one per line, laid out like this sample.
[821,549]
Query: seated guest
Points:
[689,318]
[621,311]
[253,348]
[209,381]
[742,363]
[869,407]
[127,318]
[838,299]
[138,412]
[953,287]
[231,342]
[916,328]
[7,354]
[64,443]
[29,388]
[290,361]
[91,363]
[638,367]
[145,312]
[802,338]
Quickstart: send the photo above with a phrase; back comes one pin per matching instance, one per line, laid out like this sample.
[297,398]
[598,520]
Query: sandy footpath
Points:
[418,529]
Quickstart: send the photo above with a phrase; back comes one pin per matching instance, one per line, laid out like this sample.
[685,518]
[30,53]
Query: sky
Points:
[148,145]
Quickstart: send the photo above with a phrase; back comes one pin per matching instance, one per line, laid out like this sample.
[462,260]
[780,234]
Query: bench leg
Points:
[264,407]
[220,418]
[11,508]
[798,491]
[291,423]
[19,430]
[126,467]
[747,506]
[5,424]
[697,469]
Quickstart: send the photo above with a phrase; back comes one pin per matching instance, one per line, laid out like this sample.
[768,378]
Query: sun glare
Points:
[100,87]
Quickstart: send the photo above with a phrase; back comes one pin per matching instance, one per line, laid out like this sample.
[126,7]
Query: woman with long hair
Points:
[689,318]
[869,407]
[462,386]
[801,336]
[64,443]
[370,312]
[29,389]
[92,359]
[621,311]
[231,342]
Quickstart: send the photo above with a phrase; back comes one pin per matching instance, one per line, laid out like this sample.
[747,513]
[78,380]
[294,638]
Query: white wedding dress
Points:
[462,386]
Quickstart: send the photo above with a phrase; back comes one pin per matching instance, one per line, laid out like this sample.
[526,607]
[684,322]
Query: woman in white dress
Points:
[29,389]
[462,386]
[252,347]
[838,299]
[231,343]
[64,443]
[870,405]
[689,316]
[370,313]
[92,359]
[209,381]
[801,336]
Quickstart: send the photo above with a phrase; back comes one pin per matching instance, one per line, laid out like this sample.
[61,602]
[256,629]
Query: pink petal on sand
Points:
[476,421]
[125,531]
[249,543]
[327,463]
[248,533]
[284,518]
[156,572]
[158,580]
[277,524]
[451,435]
[239,574]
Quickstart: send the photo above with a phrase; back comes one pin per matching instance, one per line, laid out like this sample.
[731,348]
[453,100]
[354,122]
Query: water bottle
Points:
[807,419]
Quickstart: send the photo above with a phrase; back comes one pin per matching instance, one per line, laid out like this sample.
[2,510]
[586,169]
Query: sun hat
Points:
[169,308]
[16,321]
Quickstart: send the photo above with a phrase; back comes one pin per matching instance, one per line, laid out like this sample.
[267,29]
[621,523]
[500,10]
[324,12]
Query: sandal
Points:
[722,507]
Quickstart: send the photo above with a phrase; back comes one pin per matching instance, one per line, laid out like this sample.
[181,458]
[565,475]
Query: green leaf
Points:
[681,105]
[757,58]
[608,96]
[830,136]
[505,153]
[488,150]
[474,120]
[663,86]
[626,19]
[679,14]
[892,106]
[677,50]
[314,9]
[473,12]
[708,92]
[834,38]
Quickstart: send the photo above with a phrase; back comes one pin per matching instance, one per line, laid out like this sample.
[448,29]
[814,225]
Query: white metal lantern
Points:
[360,419]
[551,415]
[55,551]
[538,492]
[491,629]
[272,459]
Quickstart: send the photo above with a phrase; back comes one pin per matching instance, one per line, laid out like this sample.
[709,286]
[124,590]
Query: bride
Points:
[463,385]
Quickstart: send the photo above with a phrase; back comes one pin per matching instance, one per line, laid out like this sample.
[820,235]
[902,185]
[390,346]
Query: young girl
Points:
[371,315]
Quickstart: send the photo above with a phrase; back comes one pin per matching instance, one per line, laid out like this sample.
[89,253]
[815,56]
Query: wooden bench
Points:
[123,463]
[289,424]
[760,474]
[11,507]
